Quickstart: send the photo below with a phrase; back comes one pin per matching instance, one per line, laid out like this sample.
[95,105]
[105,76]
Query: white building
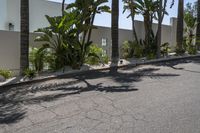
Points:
[10,13]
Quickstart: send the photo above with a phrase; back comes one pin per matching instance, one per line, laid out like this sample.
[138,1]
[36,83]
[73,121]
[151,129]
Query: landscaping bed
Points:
[46,75]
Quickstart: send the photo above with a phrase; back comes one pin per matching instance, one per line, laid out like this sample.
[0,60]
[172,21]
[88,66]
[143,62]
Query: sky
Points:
[104,19]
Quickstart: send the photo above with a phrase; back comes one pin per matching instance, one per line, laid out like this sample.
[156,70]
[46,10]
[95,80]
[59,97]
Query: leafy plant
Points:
[36,58]
[191,24]
[100,57]
[6,73]
[62,36]
[150,47]
[56,38]
[29,73]
[127,50]
[132,49]
[165,49]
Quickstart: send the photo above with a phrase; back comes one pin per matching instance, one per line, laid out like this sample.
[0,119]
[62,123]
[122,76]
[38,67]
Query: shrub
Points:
[130,49]
[100,56]
[165,49]
[29,73]
[179,51]
[192,50]
[6,74]
[36,57]
[127,50]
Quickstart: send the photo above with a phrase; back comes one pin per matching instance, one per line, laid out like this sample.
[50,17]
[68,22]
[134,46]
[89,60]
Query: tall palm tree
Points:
[159,32]
[180,26]
[198,25]
[131,7]
[115,32]
[63,7]
[24,35]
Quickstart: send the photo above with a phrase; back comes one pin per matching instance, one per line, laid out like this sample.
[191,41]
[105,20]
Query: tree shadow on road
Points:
[174,64]
[13,99]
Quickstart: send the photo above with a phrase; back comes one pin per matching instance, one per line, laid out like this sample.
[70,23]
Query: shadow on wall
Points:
[13,99]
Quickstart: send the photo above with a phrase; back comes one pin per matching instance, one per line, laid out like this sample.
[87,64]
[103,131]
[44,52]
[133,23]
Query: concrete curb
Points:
[67,75]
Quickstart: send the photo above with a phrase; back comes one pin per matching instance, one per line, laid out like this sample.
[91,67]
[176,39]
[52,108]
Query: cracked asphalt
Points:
[159,98]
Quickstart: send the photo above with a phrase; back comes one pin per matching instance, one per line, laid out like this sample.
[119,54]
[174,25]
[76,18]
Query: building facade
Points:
[10,13]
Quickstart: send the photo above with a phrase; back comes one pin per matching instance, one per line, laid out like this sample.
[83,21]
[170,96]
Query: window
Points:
[104,41]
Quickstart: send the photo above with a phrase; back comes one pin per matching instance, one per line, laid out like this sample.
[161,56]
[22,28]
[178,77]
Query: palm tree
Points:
[24,34]
[63,7]
[180,27]
[159,32]
[130,5]
[198,25]
[115,32]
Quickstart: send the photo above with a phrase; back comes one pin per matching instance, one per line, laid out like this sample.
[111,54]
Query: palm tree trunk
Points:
[91,24]
[24,34]
[115,35]
[114,31]
[133,22]
[159,33]
[63,7]
[180,26]
[198,26]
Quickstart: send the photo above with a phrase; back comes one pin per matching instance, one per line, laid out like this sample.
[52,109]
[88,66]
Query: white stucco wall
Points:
[168,34]
[3,13]
[38,9]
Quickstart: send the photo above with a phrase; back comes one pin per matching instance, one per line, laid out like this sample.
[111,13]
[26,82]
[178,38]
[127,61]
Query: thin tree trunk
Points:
[91,24]
[63,7]
[133,22]
[198,26]
[24,36]
[180,26]
[115,33]
[159,33]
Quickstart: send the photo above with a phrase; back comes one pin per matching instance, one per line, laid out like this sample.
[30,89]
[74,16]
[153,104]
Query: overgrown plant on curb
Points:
[101,59]
[6,73]
[131,49]
[29,73]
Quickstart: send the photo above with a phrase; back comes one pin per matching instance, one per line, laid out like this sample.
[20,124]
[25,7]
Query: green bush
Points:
[29,73]
[192,50]
[100,57]
[127,50]
[179,51]
[165,49]
[6,74]
[36,58]
[130,49]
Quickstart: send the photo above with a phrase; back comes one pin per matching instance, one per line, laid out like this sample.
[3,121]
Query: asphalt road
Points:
[161,98]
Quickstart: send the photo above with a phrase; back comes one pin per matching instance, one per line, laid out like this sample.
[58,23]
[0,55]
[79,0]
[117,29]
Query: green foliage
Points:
[29,73]
[127,50]
[131,49]
[100,57]
[191,24]
[165,49]
[6,73]
[179,51]
[150,47]
[150,56]
[62,36]
[36,58]
[192,50]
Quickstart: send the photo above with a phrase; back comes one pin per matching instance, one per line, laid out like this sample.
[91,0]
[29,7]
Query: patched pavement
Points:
[161,98]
